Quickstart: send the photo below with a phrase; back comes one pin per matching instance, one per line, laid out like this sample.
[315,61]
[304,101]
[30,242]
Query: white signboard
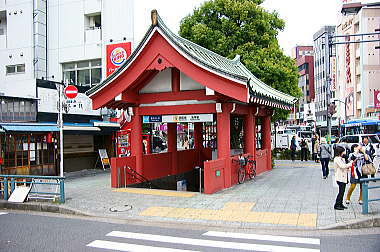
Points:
[187,118]
[81,104]
[19,194]
[104,158]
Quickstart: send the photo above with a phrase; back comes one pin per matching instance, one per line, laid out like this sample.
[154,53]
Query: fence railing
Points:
[8,184]
[365,188]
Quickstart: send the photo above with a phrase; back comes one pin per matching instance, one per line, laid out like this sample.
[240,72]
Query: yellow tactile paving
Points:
[234,212]
[156,192]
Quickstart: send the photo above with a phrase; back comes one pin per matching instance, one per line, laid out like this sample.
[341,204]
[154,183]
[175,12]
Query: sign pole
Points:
[60,98]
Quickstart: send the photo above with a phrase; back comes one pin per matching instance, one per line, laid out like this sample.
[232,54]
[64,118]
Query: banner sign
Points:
[117,55]
[376,96]
[179,118]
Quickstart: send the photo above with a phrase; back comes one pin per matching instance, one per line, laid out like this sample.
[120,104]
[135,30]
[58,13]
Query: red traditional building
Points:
[169,75]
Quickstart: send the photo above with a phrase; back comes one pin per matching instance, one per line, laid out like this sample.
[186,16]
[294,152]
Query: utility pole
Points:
[327,46]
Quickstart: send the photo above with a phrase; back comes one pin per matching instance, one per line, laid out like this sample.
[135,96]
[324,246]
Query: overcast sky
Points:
[303,17]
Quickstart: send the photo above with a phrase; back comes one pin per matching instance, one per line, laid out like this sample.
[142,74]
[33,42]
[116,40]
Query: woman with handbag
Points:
[341,169]
[360,159]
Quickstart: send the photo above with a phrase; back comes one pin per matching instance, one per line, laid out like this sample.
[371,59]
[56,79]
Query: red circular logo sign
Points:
[71,91]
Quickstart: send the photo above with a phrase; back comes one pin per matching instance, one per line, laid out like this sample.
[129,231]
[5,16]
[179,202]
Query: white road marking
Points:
[263,237]
[130,247]
[2,213]
[208,243]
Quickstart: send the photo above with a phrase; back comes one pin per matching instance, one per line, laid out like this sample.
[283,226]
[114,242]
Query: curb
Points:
[38,207]
[355,224]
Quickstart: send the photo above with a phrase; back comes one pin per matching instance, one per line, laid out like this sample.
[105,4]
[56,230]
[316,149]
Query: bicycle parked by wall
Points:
[247,166]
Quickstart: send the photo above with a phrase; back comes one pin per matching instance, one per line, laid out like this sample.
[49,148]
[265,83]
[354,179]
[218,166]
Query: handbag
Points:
[368,169]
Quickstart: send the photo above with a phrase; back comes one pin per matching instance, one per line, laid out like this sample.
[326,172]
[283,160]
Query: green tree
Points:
[230,27]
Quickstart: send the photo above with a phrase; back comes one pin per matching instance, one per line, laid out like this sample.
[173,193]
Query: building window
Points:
[17,110]
[15,69]
[83,73]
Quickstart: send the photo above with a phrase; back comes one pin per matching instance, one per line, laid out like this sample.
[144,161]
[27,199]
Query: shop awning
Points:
[30,128]
[80,128]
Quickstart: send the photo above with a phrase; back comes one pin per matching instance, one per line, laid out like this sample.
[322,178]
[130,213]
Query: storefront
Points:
[170,80]
[29,149]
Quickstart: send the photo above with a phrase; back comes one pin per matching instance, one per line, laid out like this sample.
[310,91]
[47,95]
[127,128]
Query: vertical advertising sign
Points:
[117,55]
[376,97]
[348,62]
[333,74]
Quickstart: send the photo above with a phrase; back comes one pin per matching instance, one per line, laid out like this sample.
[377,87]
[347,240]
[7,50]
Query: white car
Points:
[348,141]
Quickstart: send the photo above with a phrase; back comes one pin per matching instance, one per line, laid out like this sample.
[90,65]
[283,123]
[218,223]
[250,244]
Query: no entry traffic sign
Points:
[71,91]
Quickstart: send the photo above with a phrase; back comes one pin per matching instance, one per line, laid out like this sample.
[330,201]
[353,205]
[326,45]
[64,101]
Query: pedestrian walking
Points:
[293,148]
[341,169]
[316,150]
[304,146]
[369,149]
[360,157]
[325,155]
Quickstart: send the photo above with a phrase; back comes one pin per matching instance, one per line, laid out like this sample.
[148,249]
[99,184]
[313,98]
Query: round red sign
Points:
[71,91]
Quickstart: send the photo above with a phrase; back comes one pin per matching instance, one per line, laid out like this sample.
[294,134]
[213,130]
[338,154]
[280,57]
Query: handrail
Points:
[141,178]
[365,188]
[4,184]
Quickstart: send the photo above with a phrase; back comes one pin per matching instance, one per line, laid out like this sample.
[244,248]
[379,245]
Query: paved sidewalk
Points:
[293,195]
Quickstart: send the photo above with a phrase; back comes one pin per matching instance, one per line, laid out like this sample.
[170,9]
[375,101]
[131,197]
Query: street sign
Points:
[71,91]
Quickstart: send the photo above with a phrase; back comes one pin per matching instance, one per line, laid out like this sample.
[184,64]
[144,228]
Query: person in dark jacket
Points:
[293,148]
[303,145]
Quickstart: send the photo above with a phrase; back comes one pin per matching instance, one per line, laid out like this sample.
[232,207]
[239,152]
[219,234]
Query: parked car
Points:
[348,141]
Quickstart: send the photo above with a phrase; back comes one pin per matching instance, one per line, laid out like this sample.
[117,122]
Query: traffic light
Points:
[332,108]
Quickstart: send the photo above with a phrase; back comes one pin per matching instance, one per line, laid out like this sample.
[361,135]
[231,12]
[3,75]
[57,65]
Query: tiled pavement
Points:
[293,195]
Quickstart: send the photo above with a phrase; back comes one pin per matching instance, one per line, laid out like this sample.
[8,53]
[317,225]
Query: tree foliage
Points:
[231,27]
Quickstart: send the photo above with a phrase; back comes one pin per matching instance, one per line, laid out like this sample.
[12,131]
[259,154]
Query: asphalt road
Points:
[26,231]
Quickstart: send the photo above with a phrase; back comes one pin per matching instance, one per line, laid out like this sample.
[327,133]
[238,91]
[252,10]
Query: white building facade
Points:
[358,64]
[58,40]
[43,42]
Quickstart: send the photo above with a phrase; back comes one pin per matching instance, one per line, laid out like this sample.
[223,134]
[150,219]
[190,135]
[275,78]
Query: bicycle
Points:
[247,166]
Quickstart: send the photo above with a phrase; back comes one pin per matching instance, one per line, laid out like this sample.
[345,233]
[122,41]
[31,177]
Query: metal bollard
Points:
[200,178]
[118,177]
[365,198]
[125,176]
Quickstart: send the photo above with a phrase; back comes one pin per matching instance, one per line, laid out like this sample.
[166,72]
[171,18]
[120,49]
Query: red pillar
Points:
[176,78]
[198,138]
[172,146]
[136,140]
[249,136]
[223,141]
[266,131]
[198,141]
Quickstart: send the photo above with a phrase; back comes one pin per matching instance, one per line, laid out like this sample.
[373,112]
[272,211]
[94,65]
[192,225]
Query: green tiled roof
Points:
[259,91]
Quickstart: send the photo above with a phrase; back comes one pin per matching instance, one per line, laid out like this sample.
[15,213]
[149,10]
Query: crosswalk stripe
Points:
[119,246]
[2,213]
[208,243]
[263,237]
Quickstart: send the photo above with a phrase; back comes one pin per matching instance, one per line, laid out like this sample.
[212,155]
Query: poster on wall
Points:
[117,55]
[376,101]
